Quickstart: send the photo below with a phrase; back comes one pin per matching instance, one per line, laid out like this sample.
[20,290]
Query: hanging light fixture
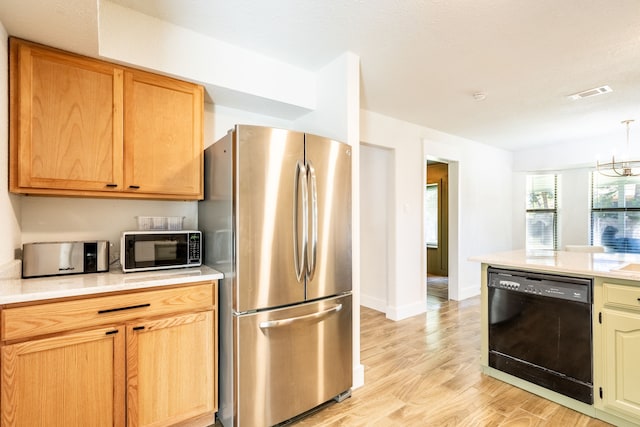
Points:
[620,168]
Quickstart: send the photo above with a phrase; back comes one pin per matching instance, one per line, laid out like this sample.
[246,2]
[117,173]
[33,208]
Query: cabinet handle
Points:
[138,328]
[111,185]
[134,187]
[110,310]
[111,332]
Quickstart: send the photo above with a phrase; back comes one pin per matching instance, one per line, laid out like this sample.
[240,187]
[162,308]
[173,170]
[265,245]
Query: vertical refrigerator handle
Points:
[311,258]
[300,186]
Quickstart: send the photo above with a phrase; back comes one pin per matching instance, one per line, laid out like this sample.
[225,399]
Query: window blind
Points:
[542,212]
[615,213]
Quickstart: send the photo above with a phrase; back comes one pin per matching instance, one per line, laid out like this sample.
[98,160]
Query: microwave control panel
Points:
[195,248]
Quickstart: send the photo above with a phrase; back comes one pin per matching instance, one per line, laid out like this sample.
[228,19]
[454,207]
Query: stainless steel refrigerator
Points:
[277,222]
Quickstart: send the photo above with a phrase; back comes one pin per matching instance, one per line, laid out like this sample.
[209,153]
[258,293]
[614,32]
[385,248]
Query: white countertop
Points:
[582,263]
[36,289]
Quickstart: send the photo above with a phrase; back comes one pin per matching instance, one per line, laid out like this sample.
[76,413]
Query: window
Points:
[615,213]
[431,215]
[542,212]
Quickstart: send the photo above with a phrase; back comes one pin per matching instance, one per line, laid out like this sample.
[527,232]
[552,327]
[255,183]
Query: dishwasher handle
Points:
[270,324]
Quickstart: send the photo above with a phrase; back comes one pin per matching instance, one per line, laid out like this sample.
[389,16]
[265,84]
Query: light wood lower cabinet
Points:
[141,367]
[65,381]
[170,364]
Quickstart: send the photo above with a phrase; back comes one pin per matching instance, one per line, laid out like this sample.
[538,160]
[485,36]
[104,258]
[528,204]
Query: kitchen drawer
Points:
[28,321]
[621,296]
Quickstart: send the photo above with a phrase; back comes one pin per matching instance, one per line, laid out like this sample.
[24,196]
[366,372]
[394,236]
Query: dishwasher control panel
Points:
[561,287]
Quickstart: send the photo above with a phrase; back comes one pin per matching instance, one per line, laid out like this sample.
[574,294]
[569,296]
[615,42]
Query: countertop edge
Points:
[604,265]
[13,291]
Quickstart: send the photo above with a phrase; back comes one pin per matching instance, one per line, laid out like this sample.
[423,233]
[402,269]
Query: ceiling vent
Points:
[591,92]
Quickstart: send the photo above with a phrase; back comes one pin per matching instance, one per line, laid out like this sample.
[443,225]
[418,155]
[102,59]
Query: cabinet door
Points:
[163,135]
[66,121]
[71,380]
[621,350]
[170,369]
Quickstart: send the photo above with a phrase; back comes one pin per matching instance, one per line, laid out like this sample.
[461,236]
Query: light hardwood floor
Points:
[425,371]
[437,287]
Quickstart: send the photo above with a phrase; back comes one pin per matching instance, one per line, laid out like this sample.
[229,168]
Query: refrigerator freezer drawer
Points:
[292,359]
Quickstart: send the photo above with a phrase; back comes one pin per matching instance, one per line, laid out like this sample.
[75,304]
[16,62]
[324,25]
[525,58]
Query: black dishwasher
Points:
[540,330]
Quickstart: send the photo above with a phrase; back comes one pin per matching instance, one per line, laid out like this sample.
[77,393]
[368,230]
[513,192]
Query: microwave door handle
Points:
[313,193]
[299,253]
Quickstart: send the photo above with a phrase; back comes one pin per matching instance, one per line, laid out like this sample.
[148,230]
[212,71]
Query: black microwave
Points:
[158,250]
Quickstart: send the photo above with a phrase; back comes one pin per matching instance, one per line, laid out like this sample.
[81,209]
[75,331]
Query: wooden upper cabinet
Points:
[84,127]
[66,130]
[163,135]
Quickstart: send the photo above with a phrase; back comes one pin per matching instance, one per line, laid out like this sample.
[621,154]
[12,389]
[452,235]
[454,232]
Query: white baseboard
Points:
[393,313]
[373,303]
[468,292]
[406,311]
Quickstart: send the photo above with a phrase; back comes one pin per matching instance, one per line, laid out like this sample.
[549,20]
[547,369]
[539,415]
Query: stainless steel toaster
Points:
[55,258]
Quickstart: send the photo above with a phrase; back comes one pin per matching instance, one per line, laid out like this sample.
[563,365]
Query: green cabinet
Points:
[618,346]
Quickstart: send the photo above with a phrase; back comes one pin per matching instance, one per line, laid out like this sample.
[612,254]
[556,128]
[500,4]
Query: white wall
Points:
[481,176]
[59,218]
[9,204]
[376,199]
[518,206]
[332,116]
[574,207]
[579,154]
[233,76]
[67,25]
[407,293]
[218,120]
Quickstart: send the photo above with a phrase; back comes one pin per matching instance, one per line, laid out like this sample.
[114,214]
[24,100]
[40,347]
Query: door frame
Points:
[453,222]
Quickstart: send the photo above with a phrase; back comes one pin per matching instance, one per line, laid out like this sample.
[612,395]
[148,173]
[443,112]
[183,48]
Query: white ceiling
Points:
[422,60]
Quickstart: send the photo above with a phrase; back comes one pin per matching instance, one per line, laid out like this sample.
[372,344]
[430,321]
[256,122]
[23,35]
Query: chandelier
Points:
[620,168]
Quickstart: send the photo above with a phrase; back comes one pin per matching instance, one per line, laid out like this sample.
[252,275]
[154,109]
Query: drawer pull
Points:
[111,332]
[313,316]
[111,185]
[134,187]
[138,328]
[131,307]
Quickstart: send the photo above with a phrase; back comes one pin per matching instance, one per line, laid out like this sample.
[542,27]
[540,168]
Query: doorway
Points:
[436,227]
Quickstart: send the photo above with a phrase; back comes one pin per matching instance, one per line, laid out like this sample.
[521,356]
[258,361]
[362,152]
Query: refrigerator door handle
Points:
[270,324]
[313,193]
[300,186]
